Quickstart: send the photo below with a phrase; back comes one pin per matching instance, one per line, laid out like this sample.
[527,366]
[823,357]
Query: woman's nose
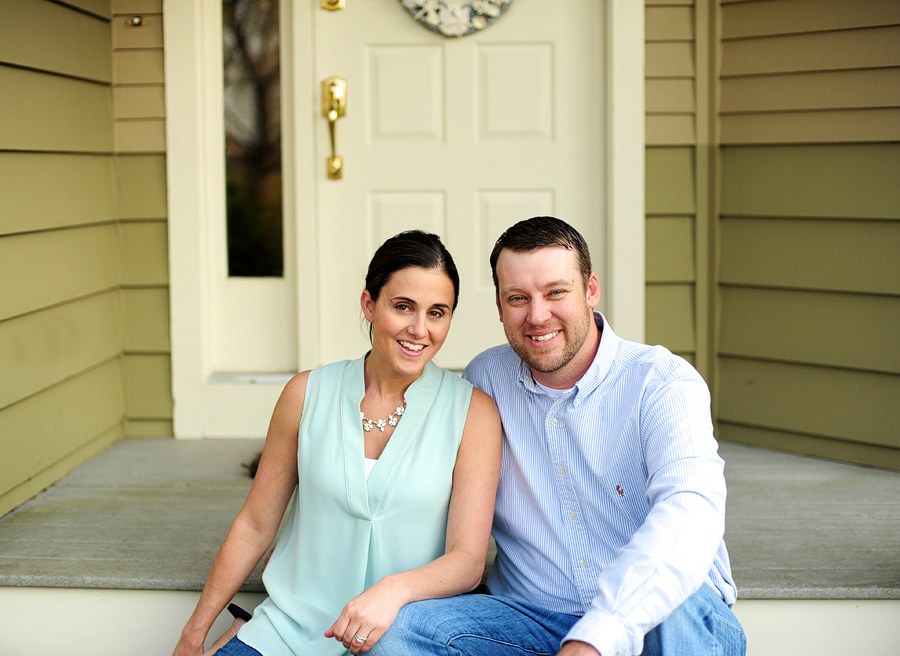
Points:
[417,327]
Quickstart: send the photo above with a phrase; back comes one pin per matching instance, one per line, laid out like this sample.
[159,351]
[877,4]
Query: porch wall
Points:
[84,311]
[61,392]
[677,216]
[809,287]
[140,143]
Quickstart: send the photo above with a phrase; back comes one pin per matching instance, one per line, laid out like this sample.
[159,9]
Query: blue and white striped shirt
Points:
[611,502]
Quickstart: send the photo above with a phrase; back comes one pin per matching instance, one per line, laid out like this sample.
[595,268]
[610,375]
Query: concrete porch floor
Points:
[149,515]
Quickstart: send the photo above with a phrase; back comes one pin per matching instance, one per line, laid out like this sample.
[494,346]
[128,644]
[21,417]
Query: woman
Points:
[397,463]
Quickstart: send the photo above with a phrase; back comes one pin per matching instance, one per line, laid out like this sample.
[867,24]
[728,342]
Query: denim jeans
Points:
[235,647]
[483,625]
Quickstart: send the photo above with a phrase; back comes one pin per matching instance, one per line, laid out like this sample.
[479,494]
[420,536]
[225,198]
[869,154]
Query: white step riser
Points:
[53,621]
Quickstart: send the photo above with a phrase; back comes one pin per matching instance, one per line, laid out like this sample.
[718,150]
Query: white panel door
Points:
[458,136]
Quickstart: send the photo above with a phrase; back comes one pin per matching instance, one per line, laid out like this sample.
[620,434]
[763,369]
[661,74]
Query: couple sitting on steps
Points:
[590,458]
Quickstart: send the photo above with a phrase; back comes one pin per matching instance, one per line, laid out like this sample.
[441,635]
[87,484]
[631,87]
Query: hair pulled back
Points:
[413,248]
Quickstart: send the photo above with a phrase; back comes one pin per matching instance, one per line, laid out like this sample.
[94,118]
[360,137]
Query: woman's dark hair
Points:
[413,248]
[538,232]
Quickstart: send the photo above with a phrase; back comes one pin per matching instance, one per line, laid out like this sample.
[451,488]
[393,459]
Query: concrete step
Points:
[115,554]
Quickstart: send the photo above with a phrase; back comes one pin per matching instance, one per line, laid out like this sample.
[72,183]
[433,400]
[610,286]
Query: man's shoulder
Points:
[655,360]
[495,360]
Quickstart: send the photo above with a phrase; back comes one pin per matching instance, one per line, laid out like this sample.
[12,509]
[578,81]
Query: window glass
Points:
[252,138]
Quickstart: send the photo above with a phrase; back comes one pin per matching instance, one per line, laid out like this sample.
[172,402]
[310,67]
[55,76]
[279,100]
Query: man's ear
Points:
[499,307]
[366,303]
[593,290]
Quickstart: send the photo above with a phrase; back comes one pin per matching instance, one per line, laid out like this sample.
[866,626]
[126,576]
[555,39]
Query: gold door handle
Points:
[334,100]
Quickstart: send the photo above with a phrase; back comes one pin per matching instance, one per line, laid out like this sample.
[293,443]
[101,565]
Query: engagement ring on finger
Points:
[360,639]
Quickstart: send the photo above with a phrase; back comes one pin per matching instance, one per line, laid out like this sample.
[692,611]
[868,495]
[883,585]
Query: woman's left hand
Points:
[368,615]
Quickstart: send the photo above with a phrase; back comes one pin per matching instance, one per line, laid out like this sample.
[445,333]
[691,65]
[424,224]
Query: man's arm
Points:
[671,553]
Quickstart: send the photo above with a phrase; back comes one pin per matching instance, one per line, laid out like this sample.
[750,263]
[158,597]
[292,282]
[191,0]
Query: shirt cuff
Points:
[606,634]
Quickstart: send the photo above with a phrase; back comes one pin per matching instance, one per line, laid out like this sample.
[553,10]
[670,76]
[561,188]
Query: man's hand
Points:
[576,648]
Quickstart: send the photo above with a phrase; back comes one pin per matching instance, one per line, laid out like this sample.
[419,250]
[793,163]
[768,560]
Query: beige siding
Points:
[809,285]
[139,133]
[61,393]
[84,321]
[671,96]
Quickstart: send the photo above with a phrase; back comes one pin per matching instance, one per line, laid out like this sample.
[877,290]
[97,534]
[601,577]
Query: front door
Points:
[458,136]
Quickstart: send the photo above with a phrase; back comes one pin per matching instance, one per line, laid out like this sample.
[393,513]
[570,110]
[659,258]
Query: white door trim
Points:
[187,31]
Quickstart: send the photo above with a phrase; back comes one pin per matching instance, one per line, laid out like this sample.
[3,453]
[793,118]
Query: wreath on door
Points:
[455,19]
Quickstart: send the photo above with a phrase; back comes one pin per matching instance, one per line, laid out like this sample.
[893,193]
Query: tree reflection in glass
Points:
[252,98]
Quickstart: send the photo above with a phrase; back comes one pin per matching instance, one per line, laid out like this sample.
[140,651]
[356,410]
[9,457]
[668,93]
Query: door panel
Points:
[462,137]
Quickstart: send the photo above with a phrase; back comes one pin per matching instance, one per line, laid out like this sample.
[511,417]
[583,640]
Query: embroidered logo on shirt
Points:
[620,490]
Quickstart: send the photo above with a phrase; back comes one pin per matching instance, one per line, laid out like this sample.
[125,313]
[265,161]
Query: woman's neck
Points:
[385,384]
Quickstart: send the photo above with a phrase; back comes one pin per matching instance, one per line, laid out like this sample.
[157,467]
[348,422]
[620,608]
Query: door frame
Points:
[203,404]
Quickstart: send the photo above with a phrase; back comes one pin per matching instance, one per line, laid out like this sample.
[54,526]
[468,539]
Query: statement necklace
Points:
[392,419]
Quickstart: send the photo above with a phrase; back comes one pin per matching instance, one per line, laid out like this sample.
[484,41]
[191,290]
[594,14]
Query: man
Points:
[611,505]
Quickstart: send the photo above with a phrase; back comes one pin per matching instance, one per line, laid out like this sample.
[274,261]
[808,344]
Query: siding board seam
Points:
[823,290]
[142,219]
[813,71]
[98,153]
[77,226]
[803,363]
[140,119]
[807,110]
[809,217]
[81,10]
[818,436]
[778,35]
[72,376]
[68,301]
[99,82]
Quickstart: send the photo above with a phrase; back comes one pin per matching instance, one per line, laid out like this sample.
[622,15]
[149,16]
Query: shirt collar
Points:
[595,374]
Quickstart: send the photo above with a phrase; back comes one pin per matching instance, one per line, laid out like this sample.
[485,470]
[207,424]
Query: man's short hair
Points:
[538,232]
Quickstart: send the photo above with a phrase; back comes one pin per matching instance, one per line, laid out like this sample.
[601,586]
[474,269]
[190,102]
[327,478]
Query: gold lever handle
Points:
[334,100]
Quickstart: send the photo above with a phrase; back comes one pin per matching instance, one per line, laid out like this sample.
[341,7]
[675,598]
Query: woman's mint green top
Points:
[345,533]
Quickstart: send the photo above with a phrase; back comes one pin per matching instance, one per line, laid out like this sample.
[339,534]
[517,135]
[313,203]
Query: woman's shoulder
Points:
[482,404]
[295,389]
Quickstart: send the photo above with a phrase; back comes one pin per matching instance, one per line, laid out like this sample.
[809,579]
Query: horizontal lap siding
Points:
[61,393]
[809,358]
[670,99]
[139,133]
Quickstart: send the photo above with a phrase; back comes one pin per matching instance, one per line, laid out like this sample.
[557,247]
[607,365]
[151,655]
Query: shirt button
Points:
[577,401]
[562,470]
[581,563]
[572,516]
[554,422]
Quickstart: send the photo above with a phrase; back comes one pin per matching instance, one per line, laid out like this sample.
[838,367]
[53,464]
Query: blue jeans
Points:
[483,625]
[235,647]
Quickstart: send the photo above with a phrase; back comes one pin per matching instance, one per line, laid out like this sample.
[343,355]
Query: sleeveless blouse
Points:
[345,533]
